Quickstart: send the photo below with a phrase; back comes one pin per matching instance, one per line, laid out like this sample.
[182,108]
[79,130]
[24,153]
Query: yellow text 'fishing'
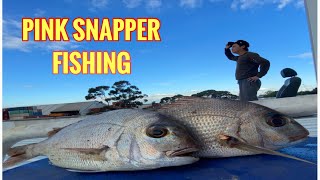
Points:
[91,29]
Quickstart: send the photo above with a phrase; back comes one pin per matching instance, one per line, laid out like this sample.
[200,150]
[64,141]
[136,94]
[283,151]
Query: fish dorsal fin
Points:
[181,101]
[54,131]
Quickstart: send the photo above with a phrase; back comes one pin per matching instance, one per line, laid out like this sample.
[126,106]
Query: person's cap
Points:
[241,43]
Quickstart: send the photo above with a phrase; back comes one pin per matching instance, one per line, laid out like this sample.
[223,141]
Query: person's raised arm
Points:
[228,53]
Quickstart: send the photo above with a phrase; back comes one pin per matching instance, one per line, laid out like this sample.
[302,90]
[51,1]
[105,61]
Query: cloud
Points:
[96,5]
[306,55]
[299,4]
[12,40]
[245,4]
[11,22]
[15,43]
[132,3]
[283,3]
[150,5]
[190,3]
[235,4]
[153,4]
[51,46]
[39,13]
[307,87]
[249,4]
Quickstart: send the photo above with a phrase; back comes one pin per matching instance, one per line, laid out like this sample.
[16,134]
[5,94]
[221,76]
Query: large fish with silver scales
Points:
[120,140]
[226,128]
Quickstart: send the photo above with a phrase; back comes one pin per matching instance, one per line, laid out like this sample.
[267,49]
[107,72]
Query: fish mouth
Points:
[299,137]
[292,141]
[182,152]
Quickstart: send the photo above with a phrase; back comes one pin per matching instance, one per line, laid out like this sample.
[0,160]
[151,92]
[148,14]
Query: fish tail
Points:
[19,154]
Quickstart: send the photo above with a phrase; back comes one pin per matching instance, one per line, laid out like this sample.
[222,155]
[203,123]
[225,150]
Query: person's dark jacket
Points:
[248,64]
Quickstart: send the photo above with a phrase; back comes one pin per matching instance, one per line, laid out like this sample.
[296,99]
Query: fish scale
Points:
[207,118]
[206,130]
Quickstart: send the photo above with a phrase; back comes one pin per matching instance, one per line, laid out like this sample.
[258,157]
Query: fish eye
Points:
[157,131]
[276,120]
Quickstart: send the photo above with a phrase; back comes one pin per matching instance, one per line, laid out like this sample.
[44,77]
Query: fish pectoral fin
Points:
[233,142]
[229,141]
[89,151]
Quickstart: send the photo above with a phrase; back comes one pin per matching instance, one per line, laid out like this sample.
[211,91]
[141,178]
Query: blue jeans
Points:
[248,90]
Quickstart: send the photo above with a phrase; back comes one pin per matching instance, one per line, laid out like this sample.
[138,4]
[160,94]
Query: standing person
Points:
[247,72]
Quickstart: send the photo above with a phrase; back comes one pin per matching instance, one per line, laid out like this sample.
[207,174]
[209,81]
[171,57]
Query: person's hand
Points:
[229,44]
[253,79]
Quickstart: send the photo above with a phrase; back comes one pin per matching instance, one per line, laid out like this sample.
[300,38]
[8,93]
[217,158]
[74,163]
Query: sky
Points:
[190,57]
